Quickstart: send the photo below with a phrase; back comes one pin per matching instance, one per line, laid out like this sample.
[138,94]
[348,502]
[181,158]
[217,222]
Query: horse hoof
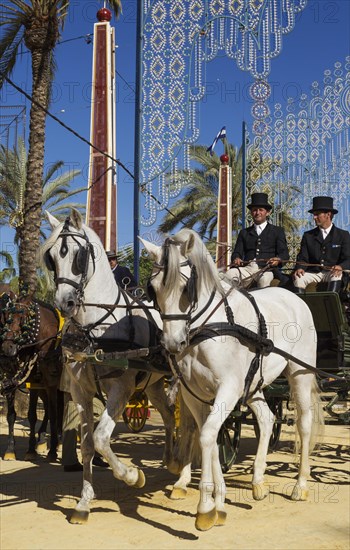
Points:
[206,521]
[9,456]
[52,457]
[141,480]
[79,517]
[174,467]
[299,494]
[178,493]
[260,491]
[221,518]
[30,456]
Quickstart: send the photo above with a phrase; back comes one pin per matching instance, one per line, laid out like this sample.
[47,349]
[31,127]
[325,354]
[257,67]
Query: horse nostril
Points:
[70,304]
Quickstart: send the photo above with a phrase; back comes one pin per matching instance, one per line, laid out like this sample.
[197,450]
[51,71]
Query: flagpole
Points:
[244,180]
[137,151]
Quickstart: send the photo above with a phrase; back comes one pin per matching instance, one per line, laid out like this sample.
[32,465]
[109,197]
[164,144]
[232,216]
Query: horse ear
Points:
[152,249]
[189,244]
[54,222]
[76,219]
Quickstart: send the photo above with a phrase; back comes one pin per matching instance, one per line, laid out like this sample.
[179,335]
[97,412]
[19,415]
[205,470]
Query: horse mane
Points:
[48,243]
[190,245]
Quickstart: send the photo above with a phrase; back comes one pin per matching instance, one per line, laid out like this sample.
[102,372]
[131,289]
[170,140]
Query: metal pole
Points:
[244,181]
[137,149]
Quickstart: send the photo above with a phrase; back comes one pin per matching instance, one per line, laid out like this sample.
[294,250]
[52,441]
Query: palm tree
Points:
[37,24]
[198,205]
[9,271]
[55,190]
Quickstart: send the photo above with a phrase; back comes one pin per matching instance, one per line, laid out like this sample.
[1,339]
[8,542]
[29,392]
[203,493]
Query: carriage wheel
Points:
[276,406]
[136,412]
[229,438]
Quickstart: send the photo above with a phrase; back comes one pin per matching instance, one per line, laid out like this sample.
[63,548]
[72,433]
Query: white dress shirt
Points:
[260,228]
[325,232]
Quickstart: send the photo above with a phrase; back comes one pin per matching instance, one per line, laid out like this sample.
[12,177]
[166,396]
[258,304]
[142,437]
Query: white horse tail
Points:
[318,421]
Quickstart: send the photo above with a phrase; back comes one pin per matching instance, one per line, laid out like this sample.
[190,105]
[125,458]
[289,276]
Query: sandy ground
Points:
[38,498]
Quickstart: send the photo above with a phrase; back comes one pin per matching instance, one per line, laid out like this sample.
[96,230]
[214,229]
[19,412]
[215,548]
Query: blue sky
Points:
[321,37]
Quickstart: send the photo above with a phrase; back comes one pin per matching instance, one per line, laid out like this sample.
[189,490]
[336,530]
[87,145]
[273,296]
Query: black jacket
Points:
[271,243]
[121,272]
[333,250]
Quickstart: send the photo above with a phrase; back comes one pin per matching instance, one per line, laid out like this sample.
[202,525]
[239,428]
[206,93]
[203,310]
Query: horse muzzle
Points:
[9,348]
[67,304]
[173,345]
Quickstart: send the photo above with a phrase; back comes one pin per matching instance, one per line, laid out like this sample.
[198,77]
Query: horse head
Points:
[18,323]
[184,274]
[75,255]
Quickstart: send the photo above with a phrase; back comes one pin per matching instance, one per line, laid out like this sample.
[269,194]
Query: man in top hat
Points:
[123,276]
[324,251]
[262,246]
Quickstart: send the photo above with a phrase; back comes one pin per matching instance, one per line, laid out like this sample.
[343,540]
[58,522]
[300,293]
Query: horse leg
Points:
[185,444]
[60,407]
[118,394]
[309,420]
[31,454]
[208,424]
[52,407]
[265,419]
[84,403]
[211,507]
[10,453]
[41,445]
[159,399]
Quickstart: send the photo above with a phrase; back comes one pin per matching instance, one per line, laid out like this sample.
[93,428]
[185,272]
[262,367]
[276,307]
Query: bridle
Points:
[26,333]
[80,262]
[190,288]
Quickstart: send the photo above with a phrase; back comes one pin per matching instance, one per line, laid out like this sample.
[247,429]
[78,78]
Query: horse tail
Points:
[318,420]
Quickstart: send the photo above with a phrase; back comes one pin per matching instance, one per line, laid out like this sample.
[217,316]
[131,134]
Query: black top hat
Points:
[259,200]
[324,204]
[111,254]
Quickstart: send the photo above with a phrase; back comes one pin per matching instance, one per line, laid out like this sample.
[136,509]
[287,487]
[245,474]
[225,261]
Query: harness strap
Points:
[248,337]
[258,359]
[174,363]
[91,326]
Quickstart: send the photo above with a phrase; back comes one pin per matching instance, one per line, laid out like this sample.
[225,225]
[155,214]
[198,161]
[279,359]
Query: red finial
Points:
[224,159]
[104,15]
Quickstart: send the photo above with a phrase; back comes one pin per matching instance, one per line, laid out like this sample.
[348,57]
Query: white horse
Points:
[212,357]
[83,276]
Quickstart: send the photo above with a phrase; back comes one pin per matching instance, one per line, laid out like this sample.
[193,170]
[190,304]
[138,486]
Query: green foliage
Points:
[9,271]
[126,257]
[55,187]
[197,207]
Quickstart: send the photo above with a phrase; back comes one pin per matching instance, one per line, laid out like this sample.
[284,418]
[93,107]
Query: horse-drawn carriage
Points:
[217,362]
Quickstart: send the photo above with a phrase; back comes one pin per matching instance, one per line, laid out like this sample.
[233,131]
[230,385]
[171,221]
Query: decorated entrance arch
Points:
[176,40]
[308,148]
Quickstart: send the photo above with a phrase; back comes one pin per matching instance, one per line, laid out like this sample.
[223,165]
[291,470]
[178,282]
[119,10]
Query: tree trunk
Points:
[30,231]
